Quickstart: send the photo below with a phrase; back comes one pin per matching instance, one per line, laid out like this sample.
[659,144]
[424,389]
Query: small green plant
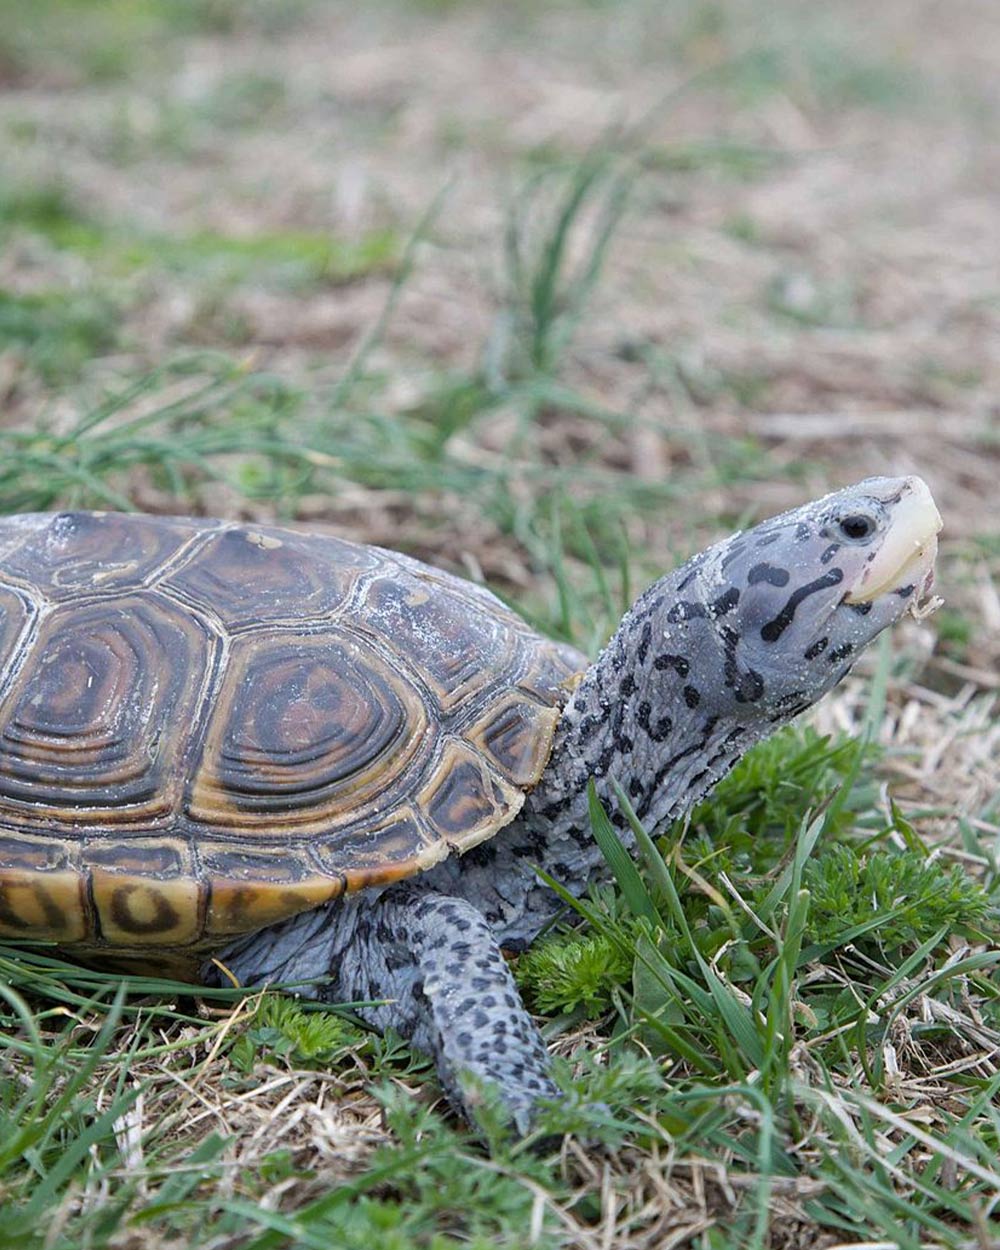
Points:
[914,897]
[283,1028]
[575,973]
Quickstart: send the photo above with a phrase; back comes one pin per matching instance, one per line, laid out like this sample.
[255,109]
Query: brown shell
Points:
[208,727]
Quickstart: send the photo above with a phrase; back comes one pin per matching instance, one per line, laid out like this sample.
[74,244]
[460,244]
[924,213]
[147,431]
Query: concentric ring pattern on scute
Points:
[205,728]
[82,724]
[308,730]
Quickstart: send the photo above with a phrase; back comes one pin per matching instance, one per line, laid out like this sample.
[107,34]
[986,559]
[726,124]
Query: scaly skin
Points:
[710,659]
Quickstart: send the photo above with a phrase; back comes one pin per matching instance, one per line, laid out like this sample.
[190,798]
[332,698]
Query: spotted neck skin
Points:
[712,658]
[653,713]
[658,712]
[662,712]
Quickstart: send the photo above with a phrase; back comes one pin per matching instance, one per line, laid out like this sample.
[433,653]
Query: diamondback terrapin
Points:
[329,763]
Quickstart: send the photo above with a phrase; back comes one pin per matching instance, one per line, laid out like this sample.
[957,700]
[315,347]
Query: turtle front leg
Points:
[432,970]
[447,989]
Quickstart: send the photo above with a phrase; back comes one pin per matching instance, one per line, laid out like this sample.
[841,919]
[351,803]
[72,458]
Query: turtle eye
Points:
[857,527]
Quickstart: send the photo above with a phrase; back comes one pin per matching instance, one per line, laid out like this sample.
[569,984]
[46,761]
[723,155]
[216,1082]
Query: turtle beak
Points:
[909,547]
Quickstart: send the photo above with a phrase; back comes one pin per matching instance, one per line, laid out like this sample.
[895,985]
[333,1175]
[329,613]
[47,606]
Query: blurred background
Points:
[550,294]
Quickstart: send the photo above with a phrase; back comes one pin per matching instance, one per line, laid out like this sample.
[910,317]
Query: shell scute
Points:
[455,647]
[135,910]
[465,801]
[42,896]
[378,854]
[248,891]
[73,553]
[508,735]
[308,730]
[82,725]
[248,576]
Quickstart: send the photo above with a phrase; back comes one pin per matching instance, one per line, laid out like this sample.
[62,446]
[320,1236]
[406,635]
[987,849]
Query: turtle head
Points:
[796,599]
[717,654]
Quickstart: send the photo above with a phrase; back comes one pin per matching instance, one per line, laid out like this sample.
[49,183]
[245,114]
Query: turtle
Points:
[248,752]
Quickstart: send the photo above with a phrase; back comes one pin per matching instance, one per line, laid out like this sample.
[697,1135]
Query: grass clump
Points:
[547,287]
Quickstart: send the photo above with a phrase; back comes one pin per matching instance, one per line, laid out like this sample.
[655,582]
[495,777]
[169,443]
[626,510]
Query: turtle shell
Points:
[208,727]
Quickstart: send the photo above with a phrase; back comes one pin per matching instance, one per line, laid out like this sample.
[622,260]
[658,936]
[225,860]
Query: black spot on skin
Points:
[750,688]
[767,539]
[861,609]
[830,552]
[627,686]
[658,730]
[802,532]
[904,592]
[655,601]
[396,957]
[686,610]
[818,647]
[718,757]
[645,637]
[588,724]
[841,653]
[769,573]
[691,696]
[677,662]
[605,760]
[725,602]
[787,713]
[690,572]
[734,551]
[773,630]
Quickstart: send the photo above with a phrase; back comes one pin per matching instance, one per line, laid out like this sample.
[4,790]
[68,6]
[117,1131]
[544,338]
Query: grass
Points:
[782,1024]
[293,258]
[57,331]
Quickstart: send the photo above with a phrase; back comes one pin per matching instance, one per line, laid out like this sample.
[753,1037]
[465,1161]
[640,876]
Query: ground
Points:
[550,295]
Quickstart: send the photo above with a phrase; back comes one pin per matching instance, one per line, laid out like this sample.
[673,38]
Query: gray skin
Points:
[711,659]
